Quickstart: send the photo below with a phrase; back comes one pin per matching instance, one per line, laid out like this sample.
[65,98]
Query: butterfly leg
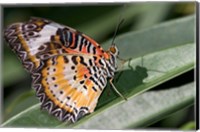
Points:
[122,60]
[113,86]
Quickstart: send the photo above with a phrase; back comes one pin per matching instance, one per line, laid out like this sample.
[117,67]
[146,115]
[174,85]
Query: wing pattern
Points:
[39,38]
[69,85]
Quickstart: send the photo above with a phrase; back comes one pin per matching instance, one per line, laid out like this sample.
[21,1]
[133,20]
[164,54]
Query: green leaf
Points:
[156,64]
[162,36]
[175,119]
[20,102]
[15,68]
[143,110]
[152,15]
[30,117]
[103,25]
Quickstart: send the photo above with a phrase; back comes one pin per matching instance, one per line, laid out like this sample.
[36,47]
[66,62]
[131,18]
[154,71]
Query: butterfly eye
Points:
[113,50]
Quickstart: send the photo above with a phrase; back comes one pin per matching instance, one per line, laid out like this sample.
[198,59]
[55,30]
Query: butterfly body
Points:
[69,69]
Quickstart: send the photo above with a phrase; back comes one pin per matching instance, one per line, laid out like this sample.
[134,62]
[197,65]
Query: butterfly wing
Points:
[28,40]
[69,85]
[65,66]
[40,38]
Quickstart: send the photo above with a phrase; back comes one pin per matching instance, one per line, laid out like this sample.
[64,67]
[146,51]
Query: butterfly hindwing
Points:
[70,84]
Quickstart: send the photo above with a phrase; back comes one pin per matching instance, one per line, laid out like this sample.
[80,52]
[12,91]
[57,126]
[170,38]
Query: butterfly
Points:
[69,69]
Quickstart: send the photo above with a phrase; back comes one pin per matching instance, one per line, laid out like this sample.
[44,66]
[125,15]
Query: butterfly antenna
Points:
[116,30]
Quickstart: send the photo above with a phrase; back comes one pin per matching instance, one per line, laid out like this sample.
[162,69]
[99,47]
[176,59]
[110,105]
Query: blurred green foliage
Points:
[97,21]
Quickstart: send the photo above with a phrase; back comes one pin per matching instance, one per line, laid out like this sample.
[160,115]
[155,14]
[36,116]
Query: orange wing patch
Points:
[68,82]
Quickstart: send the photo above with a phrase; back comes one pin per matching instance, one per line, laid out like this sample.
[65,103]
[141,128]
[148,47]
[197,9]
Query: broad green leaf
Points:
[143,110]
[32,117]
[174,120]
[139,79]
[164,61]
[168,34]
[130,83]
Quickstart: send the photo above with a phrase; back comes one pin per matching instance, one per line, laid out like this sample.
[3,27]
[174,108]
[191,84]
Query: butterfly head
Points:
[113,50]
[112,60]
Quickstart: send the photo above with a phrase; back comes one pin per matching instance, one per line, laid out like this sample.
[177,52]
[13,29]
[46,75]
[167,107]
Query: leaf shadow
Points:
[125,81]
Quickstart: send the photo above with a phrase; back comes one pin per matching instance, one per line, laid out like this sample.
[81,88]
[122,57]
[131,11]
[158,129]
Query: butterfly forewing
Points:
[39,39]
